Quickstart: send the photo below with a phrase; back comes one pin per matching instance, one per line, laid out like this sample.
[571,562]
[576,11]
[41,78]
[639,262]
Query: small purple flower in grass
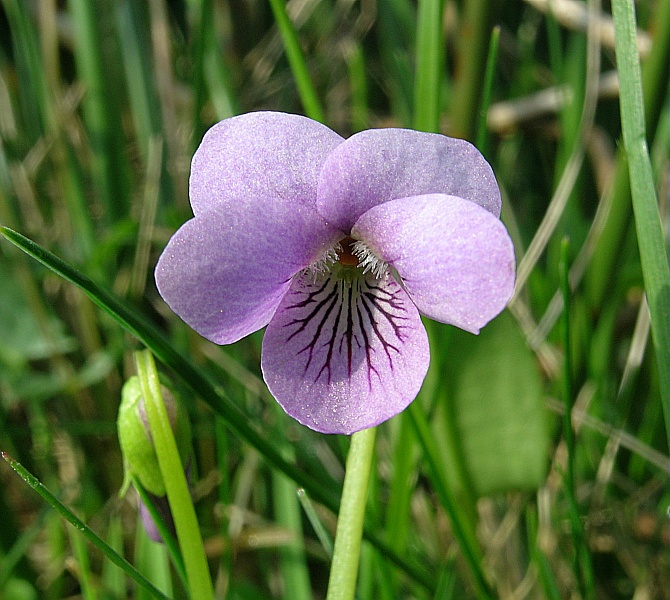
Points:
[337,246]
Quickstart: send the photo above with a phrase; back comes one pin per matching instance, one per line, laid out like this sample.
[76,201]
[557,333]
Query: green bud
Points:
[135,437]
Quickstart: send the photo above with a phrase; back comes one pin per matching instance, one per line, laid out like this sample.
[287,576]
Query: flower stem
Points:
[344,568]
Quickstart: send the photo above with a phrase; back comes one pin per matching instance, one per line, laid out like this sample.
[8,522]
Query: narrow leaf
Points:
[78,524]
[645,204]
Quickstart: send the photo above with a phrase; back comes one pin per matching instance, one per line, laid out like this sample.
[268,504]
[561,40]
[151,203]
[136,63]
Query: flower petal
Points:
[341,356]
[456,259]
[378,165]
[260,154]
[225,272]
[162,506]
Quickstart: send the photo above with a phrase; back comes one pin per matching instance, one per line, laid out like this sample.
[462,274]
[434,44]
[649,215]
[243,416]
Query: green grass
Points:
[481,489]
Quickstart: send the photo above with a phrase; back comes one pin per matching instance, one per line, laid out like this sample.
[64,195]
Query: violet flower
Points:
[337,246]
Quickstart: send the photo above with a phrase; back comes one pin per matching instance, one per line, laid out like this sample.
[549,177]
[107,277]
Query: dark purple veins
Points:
[346,322]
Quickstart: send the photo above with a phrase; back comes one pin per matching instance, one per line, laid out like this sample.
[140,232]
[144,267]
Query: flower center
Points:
[348,259]
[346,253]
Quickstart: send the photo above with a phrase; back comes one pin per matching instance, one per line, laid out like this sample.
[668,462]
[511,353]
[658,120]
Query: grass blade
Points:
[397,26]
[473,43]
[645,205]
[491,62]
[80,552]
[462,532]
[429,66]
[101,110]
[582,560]
[603,272]
[296,59]
[292,558]
[78,524]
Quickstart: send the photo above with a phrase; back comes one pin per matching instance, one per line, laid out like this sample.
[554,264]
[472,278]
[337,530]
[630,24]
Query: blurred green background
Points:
[102,103]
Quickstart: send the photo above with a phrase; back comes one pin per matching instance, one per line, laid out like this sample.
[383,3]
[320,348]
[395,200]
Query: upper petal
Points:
[455,258]
[225,271]
[260,154]
[378,165]
[341,356]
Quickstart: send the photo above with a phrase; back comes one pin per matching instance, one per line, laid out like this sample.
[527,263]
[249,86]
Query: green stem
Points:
[176,486]
[344,569]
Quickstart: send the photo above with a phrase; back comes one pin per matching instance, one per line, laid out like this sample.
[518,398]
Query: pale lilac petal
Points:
[260,154]
[225,272]
[162,506]
[379,165]
[340,357]
[455,258]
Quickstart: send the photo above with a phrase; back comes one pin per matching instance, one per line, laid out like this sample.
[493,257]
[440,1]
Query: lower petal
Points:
[455,258]
[341,356]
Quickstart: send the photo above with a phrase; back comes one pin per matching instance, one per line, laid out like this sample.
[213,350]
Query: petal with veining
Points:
[343,355]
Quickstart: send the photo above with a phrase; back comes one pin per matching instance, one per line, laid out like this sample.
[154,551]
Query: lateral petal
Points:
[225,271]
[341,356]
[455,258]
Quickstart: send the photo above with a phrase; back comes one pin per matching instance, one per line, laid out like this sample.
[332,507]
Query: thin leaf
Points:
[78,524]
[292,559]
[645,204]
[491,62]
[429,66]
[296,59]
[101,110]
[603,270]
[582,565]
[461,528]
[477,19]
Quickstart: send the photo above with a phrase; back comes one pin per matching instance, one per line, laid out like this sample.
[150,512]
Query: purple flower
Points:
[337,246]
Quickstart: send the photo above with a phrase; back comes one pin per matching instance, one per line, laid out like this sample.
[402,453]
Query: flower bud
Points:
[135,435]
